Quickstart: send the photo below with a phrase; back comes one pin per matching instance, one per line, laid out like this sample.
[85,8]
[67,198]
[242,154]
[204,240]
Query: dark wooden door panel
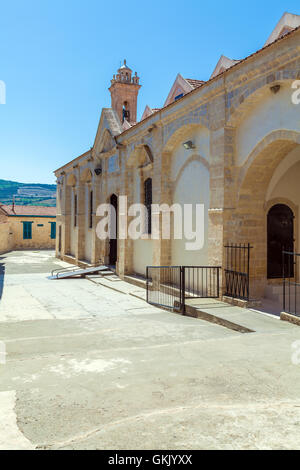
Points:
[280,226]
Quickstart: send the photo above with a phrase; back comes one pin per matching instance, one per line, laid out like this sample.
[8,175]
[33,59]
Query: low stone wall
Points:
[290,318]
[251,303]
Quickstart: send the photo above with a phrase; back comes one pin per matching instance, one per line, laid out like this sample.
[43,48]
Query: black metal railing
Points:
[164,286]
[291,284]
[201,281]
[237,270]
[170,286]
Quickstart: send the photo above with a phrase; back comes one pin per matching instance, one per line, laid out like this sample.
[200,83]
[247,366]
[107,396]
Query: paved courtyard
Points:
[94,367]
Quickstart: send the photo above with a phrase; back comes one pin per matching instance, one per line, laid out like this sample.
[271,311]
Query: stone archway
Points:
[175,166]
[239,104]
[86,176]
[248,221]
[191,187]
[179,132]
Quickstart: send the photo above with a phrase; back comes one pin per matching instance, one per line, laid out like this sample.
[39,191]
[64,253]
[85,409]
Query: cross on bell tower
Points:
[124,91]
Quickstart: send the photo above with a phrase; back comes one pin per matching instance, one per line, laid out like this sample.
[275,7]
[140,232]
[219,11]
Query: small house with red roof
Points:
[27,227]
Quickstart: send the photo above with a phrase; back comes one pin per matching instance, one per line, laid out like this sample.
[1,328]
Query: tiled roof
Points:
[195,83]
[29,210]
[236,64]
[127,125]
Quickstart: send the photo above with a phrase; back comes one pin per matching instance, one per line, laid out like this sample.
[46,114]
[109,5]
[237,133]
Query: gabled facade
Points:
[244,159]
[223,64]
[181,87]
[285,25]
[148,112]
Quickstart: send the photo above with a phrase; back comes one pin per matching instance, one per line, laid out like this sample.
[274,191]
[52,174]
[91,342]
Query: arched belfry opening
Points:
[124,91]
[126,112]
[280,236]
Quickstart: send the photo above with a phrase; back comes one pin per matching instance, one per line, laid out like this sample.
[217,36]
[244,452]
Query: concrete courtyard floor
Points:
[89,367]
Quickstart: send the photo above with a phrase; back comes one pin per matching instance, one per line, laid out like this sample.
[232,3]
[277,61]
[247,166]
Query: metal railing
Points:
[291,284]
[74,267]
[164,286]
[55,272]
[201,281]
[170,286]
[237,270]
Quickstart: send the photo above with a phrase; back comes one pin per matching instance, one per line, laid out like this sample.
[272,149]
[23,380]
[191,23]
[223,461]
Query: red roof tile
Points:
[29,210]
[195,83]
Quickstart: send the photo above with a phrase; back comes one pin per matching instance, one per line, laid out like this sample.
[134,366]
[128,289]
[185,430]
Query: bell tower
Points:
[124,91]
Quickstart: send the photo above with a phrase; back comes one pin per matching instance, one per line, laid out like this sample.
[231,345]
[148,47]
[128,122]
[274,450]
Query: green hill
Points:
[27,193]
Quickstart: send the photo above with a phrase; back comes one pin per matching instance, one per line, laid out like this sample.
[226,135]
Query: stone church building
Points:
[231,143]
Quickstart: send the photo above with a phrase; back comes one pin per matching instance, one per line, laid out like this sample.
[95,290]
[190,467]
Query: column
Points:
[81,220]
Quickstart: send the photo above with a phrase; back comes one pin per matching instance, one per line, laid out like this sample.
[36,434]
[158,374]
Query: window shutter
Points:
[53,230]
[148,203]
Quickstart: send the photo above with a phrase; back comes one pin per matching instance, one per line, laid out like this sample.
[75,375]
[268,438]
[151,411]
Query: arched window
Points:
[148,203]
[126,112]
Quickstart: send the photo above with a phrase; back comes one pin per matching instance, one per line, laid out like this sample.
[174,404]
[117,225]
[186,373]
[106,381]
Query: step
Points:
[107,273]
[118,285]
[135,280]
[235,318]
[208,311]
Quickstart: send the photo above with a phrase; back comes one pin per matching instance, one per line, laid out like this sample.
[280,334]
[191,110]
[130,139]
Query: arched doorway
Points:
[256,189]
[113,241]
[280,236]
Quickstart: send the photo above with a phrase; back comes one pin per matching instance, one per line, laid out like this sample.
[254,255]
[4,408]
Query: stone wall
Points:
[11,234]
[6,239]
[242,129]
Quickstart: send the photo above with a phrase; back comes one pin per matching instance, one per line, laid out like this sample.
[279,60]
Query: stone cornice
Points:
[219,85]
[262,70]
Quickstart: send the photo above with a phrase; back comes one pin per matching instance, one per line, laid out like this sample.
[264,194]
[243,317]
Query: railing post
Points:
[289,281]
[183,289]
[283,276]
[147,284]
[248,273]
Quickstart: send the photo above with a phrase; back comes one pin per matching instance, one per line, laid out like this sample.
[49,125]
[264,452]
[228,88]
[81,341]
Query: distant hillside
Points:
[27,194]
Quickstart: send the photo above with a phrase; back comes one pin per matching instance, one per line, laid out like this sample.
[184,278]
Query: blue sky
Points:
[57,58]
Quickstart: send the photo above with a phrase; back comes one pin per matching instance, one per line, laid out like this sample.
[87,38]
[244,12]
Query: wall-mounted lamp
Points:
[98,171]
[275,89]
[188,145]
